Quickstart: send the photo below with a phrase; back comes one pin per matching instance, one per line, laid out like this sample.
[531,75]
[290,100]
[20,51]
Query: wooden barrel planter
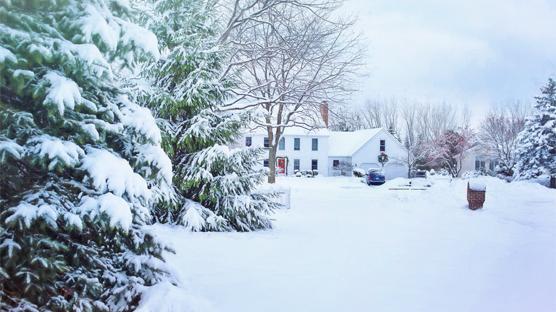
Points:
[475,196]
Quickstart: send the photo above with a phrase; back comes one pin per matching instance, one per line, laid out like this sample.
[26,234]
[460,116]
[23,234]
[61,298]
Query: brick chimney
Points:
[324,112]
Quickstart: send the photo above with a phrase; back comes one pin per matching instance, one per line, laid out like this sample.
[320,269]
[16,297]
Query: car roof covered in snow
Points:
[347,143]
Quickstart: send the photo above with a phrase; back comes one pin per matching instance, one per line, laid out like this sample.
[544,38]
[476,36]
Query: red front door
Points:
[281,168]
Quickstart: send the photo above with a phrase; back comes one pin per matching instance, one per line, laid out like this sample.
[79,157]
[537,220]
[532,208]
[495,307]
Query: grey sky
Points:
[469,52]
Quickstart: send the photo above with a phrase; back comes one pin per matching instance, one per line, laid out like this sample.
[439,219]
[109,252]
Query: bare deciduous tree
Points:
[382,114]
[414,139]
[238,13]
[449,149]
[345,118]
[498,134]
[291,59]
[429,131]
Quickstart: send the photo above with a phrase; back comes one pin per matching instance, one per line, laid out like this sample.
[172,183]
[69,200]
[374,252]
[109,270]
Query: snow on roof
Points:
[293,131]
[347,143]
[303,131]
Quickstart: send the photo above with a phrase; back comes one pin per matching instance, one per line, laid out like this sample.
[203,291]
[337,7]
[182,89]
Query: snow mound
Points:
[477,185]
[165,297]
[109,172]
[396,182]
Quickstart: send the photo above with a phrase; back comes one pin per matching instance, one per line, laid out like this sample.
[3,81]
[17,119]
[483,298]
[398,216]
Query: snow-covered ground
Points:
[344,246]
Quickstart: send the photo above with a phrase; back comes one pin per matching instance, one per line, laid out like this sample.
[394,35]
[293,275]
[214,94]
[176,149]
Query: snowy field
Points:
[344,246]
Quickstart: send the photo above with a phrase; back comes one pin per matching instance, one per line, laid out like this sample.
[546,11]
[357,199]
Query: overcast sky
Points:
[469,52]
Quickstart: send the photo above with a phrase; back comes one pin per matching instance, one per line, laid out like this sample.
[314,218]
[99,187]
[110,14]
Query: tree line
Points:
[439,136]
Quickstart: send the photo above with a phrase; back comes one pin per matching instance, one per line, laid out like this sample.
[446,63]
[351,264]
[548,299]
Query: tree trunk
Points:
[409,165]
[271,155]
[272,164]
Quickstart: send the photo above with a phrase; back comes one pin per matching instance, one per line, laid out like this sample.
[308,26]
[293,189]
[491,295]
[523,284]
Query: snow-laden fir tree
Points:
[80,164]
[216,184]
[536,152]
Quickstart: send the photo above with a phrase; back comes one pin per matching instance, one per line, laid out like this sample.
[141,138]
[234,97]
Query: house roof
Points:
[480,150]
[347,143]
[293,131]
[303,131]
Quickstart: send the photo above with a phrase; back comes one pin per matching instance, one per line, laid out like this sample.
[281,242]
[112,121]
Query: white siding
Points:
[468,162]
[305,153]
[367,156]
[342,160]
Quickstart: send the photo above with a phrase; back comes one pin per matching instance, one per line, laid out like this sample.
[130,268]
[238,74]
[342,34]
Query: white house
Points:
[362,148]
[333,153]
[479,159]
[298,149]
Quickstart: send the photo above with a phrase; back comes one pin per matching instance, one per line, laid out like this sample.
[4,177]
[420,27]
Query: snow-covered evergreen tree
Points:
[216,184]
[536,153]
[81,165]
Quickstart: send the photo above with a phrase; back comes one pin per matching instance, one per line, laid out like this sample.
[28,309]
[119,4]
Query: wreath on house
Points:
[382,158]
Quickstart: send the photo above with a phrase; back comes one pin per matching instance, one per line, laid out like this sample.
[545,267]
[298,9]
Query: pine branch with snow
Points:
[215,184]
[81,165]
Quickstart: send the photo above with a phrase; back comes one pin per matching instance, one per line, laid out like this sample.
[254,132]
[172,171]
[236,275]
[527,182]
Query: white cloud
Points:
[466,51]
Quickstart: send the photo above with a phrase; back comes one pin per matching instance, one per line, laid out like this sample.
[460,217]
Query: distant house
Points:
[479,159]
[332,153]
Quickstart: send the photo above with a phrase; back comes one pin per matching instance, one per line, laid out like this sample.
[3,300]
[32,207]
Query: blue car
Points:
[375,177]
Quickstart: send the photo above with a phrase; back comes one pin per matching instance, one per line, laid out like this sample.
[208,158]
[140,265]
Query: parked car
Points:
[375,177]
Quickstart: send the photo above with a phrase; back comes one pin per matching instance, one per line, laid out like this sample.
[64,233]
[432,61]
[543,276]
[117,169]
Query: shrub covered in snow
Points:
[80,165]
[359,172]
